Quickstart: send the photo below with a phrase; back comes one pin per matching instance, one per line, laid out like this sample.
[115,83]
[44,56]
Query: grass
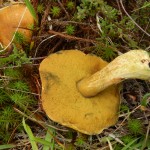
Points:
[55,11]
[106,29]
[31,9]
[70,29]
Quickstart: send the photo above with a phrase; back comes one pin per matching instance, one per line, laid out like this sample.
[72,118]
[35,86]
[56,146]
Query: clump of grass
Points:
[21,41]
[70,29]
[70,5]
[135,126]
[22,100]
[88,8]
[19,85]
[55,11]
[14,92]
[19,38]
[124,108]
[10,61]
[15,73]
[40,8]
[127,138]
[106,52]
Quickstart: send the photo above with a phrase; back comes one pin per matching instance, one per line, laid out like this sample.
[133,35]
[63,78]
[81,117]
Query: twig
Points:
[145,29]
[63,8]
[132,19]
[119,8]
[128,114]
[42,123]
[19,90]
[64,23]
[74,38]
[57,44]
[43,21]
[11,67]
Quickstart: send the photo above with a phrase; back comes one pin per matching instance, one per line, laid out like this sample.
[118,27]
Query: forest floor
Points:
[104,28]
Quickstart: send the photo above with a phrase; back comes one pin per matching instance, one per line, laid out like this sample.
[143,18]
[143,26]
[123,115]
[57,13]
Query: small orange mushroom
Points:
[15,18]
[81,91]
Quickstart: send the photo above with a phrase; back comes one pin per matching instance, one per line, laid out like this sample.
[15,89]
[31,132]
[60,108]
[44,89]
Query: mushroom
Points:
[13,17]
[81,91]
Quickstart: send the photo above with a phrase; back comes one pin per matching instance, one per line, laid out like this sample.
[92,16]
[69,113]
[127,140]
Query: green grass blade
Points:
[144,99]
[137,146]
[146,5]
[50,139]
[31,9]
[128,146]
[30,134]
[42,141]
[7,146]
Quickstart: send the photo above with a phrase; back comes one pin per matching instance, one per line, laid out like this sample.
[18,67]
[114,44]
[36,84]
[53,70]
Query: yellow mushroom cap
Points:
[62,101]
[10,17]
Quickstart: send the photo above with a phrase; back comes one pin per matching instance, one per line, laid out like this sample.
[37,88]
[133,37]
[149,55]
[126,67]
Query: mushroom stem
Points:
[133,64]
